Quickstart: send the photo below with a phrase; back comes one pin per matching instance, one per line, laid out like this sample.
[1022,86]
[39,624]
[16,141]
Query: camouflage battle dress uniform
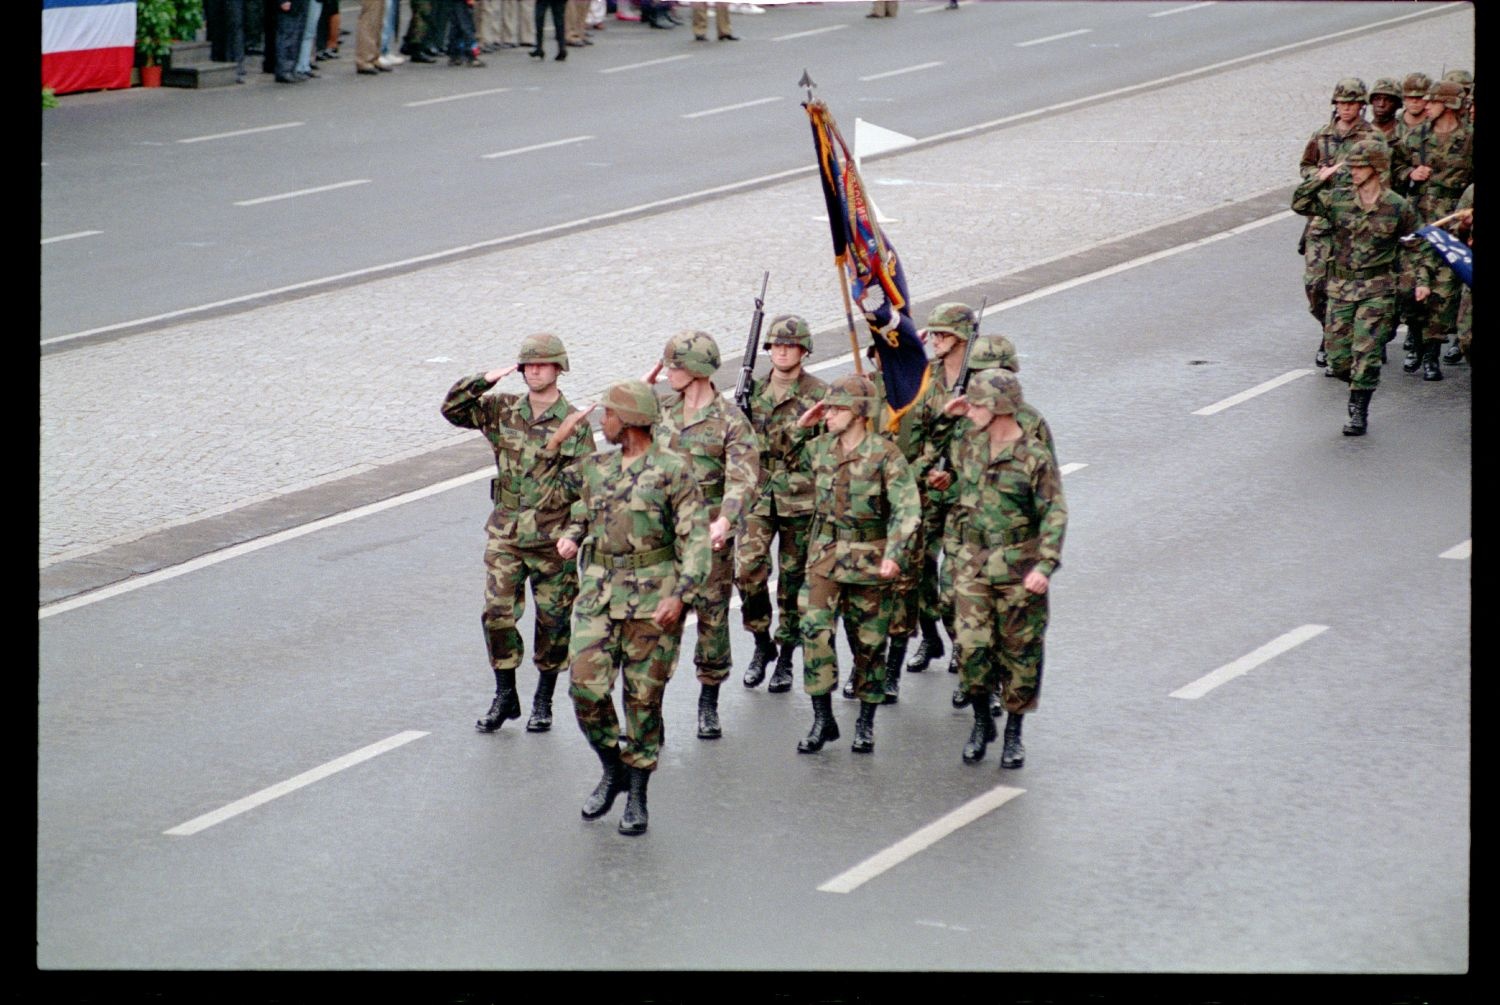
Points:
[866,507]
[1010,517]
[644,529]
[723,450]
[782,509]
[531,506]
[1409,311]
[1362,276]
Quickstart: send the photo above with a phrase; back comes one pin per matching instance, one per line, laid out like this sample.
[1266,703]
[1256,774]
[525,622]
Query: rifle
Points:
[962,383]
[752,348]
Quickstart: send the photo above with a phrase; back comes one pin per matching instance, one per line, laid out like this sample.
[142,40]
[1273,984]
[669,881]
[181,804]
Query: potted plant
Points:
[159,23]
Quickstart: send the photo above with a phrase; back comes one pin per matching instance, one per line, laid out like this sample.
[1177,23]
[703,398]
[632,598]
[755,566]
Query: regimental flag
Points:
[876,280]
[1458,255]
[87,45]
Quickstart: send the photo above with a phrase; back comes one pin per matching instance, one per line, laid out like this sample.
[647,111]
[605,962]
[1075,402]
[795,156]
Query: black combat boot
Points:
[848,689]
[895,656]
[541,703]
[955,661]
[929,649]
[1014,755]
[507,704]
[824,728]
[610,785]
[781,677]
[997,707]
[633,820]
[1453,354]
[708,713]
[864,728]
[1320,358]
[1412,347]
[1359,412]
[765,650]
[1431,369]
[984,731]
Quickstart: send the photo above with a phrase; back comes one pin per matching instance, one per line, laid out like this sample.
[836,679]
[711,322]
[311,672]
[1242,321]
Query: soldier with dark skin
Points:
[783,504]
[1414,88]
[698,423]
[642,515]
[531,506]
[1011,517]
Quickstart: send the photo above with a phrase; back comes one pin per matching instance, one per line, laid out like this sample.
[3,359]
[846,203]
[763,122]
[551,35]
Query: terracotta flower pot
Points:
[150,76]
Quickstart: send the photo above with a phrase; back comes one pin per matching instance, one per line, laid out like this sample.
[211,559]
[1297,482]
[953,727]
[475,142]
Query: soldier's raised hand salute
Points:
[566,427]
[812,416]
[496,376]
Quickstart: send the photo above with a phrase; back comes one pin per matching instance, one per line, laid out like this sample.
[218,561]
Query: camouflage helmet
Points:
[953,319]
[1369,153]
[1388,86]
[1447,93]
[993,351]
[997,390]
[1463,78]
[853,392]
[1350,89]
[694,351]
[542,348]
[789,329]
[633,401]
[1416,85]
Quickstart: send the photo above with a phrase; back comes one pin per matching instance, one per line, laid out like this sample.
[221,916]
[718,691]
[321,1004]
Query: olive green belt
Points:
[999,539]
[870,530]
[639,559]
[1369,272]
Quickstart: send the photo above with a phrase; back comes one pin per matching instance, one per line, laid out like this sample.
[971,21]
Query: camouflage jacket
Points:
[1368,257]
[866,508]
[1326,146]
[723,450]
[784,476]
[1010,515]
[933,432]
[1451,157]
[531,500]
[646,526]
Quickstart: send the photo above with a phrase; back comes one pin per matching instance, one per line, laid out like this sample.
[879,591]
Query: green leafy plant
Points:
[159,23]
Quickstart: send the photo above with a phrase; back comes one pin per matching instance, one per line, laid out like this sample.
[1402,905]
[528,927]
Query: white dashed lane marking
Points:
[1248,662]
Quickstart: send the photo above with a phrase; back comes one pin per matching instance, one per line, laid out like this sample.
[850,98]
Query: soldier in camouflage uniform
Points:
[1438,162]
[1367,220]
[1327,146]
[646,526]
[1413,117]
[783,504]
[1464,79]
[531,506]
[1385,102]
[711,432]
[866,507]
[1011,517]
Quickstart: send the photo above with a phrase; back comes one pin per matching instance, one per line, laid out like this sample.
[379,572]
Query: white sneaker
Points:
[391,59]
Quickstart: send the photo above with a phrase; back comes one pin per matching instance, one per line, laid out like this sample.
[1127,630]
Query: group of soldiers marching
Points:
[950,513]
[1368,184]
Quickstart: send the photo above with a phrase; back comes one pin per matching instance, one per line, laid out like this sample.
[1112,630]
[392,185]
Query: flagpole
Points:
[859,366]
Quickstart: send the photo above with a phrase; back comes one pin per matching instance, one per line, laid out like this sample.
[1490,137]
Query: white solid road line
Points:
[904,69]
[454,97]
[1068,469]
[934,832]
[1246,663]
[242,132]
[731,108]
[302,192]
[1258,389]
[234,809]
[649,62]
[1459,551]
[813,31]
[535,146]
[69,237]
[1053,38]
[1182,10]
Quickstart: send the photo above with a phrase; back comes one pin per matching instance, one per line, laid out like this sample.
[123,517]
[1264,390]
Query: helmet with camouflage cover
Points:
[542,348]
[1350,89]
[997,390]
[1416,85]
[953,319]
[993,351]
[1447,93]
[1369,153]
[789,329]
[1463,78]
[853,392]
[694,351]
[1388,86]
[633,401]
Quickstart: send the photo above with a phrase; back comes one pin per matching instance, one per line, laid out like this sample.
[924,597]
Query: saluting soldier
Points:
[783,505]
[866,507]
[643,516]
[1010,518]
[531,507]
[698,423]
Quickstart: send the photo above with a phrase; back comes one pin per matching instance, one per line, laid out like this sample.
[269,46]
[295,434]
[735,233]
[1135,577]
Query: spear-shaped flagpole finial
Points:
[807,82]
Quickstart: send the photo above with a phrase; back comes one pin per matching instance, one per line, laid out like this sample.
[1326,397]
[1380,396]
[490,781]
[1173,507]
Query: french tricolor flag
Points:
[87,44]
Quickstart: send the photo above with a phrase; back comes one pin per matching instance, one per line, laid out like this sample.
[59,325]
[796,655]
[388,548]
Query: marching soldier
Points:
[1413,117]
[866,508]
[1011,517]
[643,515]
[783,505]
[530,509]
[699,424]
[1385,102]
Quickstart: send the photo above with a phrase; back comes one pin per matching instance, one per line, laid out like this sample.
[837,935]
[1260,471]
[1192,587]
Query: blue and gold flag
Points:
[1458,255]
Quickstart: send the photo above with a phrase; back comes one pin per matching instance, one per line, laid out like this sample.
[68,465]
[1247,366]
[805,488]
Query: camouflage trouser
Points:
[1442,305]
[1000,632]
[865,610]
[711,653]
[1409,311]
[1315,273]
[602,648]
[1466,321]
[753,571]
[934,601]
[554,585]
[1352,336]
